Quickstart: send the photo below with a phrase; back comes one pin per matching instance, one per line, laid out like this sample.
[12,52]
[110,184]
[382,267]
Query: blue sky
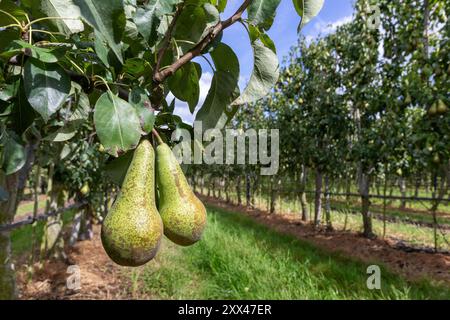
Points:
[283,33]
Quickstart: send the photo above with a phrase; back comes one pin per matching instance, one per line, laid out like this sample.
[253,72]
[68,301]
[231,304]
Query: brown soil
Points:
[412,265]
[100,277]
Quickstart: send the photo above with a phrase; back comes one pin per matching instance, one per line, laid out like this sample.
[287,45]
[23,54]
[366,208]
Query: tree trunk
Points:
[328,204]
[194,183]
[52,242]
[384,200]
[377,187]
[7,211]
[254,191]
[14,185]
[86,229]
[417,187]
[364,184]
[318,199]
[273,196]
[438,194]
[247,190]
[402,186]
[238,190]
[76,226]
[106,202]
[36,185]
[227,194]
[303,200]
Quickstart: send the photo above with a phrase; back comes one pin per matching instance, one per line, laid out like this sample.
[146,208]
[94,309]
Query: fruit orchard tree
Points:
[106,67]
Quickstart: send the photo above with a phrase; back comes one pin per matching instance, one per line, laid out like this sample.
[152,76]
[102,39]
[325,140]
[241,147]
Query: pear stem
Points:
[157,136]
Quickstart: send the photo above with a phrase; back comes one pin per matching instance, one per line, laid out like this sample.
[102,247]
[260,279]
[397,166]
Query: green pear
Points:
[85,189]
[433,110]
[183,214]
[441,107]
[132,230]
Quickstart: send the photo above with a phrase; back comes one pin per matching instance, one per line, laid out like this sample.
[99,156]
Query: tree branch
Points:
[160,76]
[166,41]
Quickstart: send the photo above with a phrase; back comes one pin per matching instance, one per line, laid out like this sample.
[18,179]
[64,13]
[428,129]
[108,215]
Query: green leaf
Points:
[148,19]
[43,54]
[264,76]
[14,156]
[47,86]
[136,67]
[168,119]
[184,84]
[63,134]
[307,9]
[117,169]
[108,20]
[82,109]
[10,7]
[262,12]
[6,37]
[224,87]
[213,44]
[9,90]
[116,123]
[256,34]
[221,5]
[140,100]
[63,9]
[23,114]
[193,24]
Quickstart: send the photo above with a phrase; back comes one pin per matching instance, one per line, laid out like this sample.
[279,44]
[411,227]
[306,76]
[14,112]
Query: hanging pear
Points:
[183,214]
[132,231]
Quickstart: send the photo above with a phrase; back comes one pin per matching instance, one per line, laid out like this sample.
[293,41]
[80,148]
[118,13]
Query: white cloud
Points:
[323,27]
[182,108]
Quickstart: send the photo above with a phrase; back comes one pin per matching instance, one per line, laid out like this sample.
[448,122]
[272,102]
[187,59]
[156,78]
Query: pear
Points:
[132,231]
[85,189]
[183,214]
[433,110]
[441,107]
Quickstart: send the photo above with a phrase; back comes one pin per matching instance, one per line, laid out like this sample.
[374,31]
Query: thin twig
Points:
[157,136]
[166,41]
[161,75]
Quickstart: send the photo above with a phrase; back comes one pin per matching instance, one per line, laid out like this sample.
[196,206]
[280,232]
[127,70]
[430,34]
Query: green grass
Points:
[390,212]
[413,234]
[22,238]
[240,259]
[28,208]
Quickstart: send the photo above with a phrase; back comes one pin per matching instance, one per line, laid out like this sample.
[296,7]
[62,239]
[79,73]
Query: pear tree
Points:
[109,66]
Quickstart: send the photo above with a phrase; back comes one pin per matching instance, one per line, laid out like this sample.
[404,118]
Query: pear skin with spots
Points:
[183,214]
[132,231]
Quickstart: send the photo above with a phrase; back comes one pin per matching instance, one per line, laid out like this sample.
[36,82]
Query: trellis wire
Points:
[42,217]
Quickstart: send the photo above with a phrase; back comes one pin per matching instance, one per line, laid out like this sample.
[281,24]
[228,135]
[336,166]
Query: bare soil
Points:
[100,278]
[412,265]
